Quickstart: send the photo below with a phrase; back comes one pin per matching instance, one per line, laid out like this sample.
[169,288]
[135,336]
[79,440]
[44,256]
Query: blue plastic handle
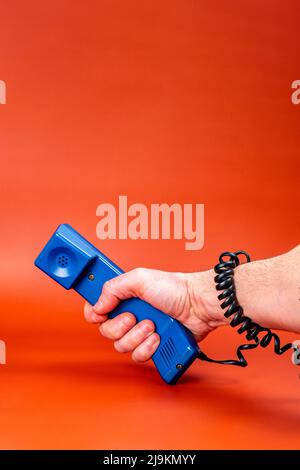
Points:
[73,262]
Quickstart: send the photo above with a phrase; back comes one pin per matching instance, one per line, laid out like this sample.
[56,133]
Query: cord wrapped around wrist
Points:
[255,333]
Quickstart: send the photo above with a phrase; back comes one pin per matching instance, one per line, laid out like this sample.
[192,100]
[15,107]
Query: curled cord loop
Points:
[225,283]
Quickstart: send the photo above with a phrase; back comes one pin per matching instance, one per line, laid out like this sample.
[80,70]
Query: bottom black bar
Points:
[152,458]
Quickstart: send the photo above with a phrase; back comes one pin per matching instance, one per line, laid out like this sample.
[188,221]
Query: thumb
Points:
[119,288]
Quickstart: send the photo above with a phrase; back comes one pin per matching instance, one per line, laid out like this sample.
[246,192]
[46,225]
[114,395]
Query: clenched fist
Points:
[183,296]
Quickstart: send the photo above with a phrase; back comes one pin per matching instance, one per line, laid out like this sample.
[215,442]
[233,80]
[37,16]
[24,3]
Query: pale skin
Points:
[268,290]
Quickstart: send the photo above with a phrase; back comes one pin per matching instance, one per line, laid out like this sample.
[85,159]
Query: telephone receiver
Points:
[76,264]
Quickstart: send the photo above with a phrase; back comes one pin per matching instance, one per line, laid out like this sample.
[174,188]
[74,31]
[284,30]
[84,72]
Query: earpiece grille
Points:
[62,260]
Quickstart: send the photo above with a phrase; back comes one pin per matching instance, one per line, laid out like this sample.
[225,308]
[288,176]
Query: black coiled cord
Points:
[224,280]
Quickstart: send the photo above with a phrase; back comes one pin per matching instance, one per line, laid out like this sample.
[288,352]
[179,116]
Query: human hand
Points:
[190,298]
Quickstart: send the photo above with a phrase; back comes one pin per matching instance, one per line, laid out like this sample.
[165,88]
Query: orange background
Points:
[165,101]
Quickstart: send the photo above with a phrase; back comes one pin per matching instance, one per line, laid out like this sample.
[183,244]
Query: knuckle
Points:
[140,272]
[120,330]
[89,318]
[123,345]
[107,286]
[107,330]
[147,351]
[121,325]
[135,356]
[116,328]
[141,355]
[118,346]
[102,329]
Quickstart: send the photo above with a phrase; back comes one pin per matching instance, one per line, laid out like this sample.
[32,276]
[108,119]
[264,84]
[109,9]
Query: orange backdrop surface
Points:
[163,101]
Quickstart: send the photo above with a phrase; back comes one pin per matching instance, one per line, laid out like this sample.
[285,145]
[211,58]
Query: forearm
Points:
[268,291]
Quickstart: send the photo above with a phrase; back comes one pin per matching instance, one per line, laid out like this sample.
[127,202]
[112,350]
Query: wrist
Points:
[204,300]
[265,289]
[253,293]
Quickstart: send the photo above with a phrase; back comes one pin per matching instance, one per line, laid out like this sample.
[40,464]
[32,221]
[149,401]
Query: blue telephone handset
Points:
[73,262]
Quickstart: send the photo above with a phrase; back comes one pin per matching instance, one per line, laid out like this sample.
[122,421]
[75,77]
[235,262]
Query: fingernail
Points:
[127,320]
[146,328]
[155,341]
